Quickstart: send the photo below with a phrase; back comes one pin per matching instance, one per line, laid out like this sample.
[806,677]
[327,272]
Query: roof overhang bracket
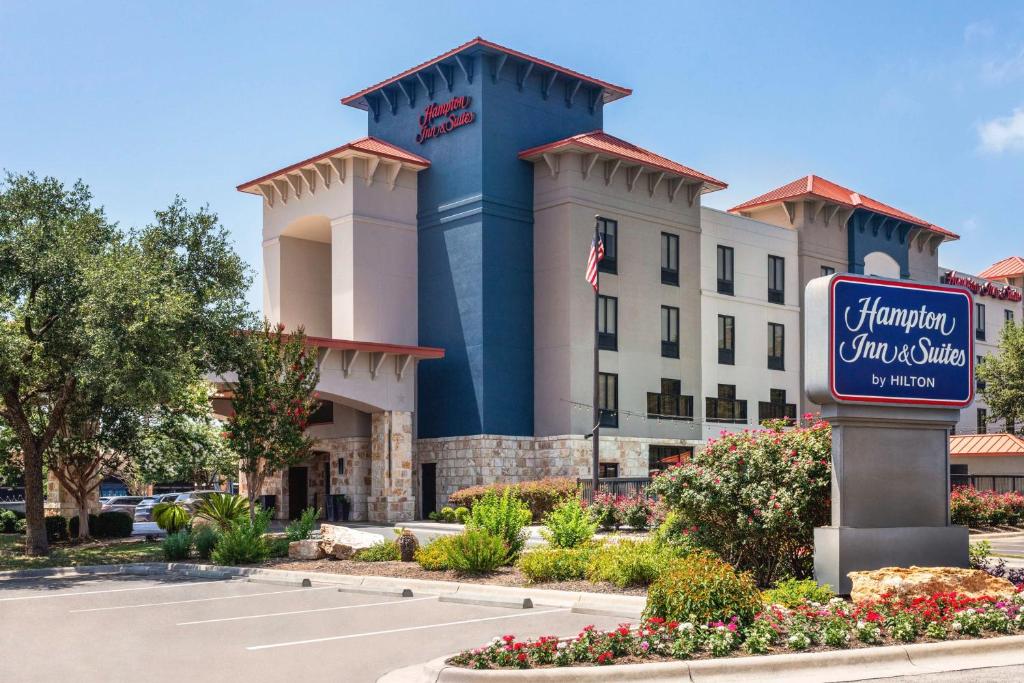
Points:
[570,91]
[447,74]
[933,243]
[693,191]
[466,64]
[323,358]
[376,360]
[631,176]
[830,211]
[427,81]
[282,189]
[790,208]
[324,171]
[393,169]
[309,175]
[674,187]
[890,227]
[653,181]
[409,91]
[904,230]
[267,190]
[371,168]
[587,162]
[348,359]
[402,362]
[843,217]
[339,167]
[497,64]
[392,100]
[593,98]
[374,103]
[522,73]
[296,184]
[814,207]
[546,83]
[552,161]
[611,167]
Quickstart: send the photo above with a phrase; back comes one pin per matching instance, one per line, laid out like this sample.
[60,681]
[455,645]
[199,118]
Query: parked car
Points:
[190,500]
[125,504]
[144,510]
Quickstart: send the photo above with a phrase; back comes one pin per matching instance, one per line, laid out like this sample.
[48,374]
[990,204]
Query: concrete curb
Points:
[609,604]
[814,667]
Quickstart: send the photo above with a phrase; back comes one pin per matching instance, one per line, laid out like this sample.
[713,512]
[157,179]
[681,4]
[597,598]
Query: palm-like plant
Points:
[223,510]
[171,517]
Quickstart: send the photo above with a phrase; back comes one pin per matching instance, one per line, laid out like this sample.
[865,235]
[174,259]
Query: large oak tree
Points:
[1001,376]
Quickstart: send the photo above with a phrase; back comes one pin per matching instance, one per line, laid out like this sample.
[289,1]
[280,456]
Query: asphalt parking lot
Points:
[134,628]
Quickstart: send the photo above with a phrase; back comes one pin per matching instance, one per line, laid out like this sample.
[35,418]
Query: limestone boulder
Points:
[914,582]
[342,542]
[305,550]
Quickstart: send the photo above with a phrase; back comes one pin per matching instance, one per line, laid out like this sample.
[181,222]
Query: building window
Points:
[827,270]
[322,414]
[776,407]
[776,280]
[608,470]
[660,458]
[979,321]
[608,398]
[725,270]
[670,404]
[607,323]
[725,408]
[669,332]
[609,231]
[1007,315]
[726,340]
[669,259]
[982,421]
[978,360]
[776,346]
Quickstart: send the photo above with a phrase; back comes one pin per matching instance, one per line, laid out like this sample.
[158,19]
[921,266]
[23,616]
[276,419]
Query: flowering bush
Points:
[605,510]
[541,496]
[971,507]
[755,497]
[611,511]
[835,624]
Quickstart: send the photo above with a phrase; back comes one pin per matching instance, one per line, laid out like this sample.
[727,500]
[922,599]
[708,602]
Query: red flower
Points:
[521,657]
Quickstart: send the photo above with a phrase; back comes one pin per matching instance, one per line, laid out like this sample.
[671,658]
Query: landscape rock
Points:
[305,550]
[914,582]
[342,542]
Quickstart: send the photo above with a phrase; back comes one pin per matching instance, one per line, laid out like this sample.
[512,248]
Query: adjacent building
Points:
[438,264]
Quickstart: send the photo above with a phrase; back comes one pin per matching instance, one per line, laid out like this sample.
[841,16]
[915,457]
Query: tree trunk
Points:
[36,542]
[253,482]
[83,518]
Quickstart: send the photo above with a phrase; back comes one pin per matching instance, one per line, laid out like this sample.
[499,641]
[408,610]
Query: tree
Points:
[1001,377]
[93,318]
[272,398]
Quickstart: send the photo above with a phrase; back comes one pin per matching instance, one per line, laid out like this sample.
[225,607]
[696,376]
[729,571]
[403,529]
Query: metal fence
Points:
[9,494]
[618,486]
[1000,483]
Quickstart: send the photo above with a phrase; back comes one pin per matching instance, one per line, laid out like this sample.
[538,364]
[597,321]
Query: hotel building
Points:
[438,264]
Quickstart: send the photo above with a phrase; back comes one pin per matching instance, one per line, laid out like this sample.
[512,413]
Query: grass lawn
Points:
[12,553]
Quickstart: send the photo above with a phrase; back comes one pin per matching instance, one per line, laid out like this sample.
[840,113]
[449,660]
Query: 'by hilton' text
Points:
[438,119]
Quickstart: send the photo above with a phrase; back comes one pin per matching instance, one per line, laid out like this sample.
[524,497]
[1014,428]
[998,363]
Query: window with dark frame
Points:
[979,322]
[669,404]
[608,470]
[660,458]
[608,398]
[776,346]
[776,407]
[726,340]
[1007,315]
[776,280]
[607,323]
[669,332]
[609,231]
[982,421]
[725,408]
[725,270]
[827,270]
[669,259]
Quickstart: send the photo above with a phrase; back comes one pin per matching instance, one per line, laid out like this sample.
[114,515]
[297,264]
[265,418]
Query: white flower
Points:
[685,626]
[957,626]
[836,601]
[861,624]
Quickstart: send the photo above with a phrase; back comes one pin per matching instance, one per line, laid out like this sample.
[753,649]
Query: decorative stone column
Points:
[59,500]
[391,496]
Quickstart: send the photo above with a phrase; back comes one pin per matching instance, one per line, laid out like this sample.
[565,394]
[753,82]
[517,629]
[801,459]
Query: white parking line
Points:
[527,613]
[219,597]
[303,611]
[111,590]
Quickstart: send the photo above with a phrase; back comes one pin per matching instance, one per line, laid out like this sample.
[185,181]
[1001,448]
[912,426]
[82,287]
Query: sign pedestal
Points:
[890,493]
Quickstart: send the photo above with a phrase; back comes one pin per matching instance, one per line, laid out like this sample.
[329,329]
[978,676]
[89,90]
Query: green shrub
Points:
[434,555]
[796,592]
[223,509]
[205,540]
[56,528]
[8,521]
[104,525]
[171,516]
[461,514]
[244,541]
[21,526]
[446,515]
[606,510]
[555,564]
[541,496]
[701,588]
[177,546]
[381,551]
[637,511]
[278,546]
[569,525]
[673,533]
[629,562]
[504,517]
[302,528]
[475,551]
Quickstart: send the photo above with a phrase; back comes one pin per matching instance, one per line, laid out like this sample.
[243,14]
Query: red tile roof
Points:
[612,92]
[603,143]
[981,445]
[814,186]
[369,145]
[1008,267]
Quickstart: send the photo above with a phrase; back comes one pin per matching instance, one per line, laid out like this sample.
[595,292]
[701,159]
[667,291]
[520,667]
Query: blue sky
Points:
[918,104]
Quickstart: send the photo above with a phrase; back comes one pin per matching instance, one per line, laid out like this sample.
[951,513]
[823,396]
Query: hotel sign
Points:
[890,342]
[439,119]
[1006,292]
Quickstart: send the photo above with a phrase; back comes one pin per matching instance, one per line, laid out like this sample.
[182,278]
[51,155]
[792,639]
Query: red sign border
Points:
[907,285]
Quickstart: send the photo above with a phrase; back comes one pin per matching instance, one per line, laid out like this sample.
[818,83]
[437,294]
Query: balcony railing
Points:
[608,341]
[725,410]
[725,287]
[776,362]
[609,418]
[775,411]
[669,349]
[669,407]
[669,277]
[776,296]
[726,356]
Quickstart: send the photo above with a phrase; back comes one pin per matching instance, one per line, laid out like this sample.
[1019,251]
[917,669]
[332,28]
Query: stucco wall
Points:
[991,465]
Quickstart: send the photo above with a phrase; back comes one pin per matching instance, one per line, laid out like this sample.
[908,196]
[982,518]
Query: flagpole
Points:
[595,459]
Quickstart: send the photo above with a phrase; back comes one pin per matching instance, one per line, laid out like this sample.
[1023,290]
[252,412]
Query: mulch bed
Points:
[506,576]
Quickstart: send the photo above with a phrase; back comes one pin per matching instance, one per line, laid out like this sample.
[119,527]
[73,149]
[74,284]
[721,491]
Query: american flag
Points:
[595,257]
